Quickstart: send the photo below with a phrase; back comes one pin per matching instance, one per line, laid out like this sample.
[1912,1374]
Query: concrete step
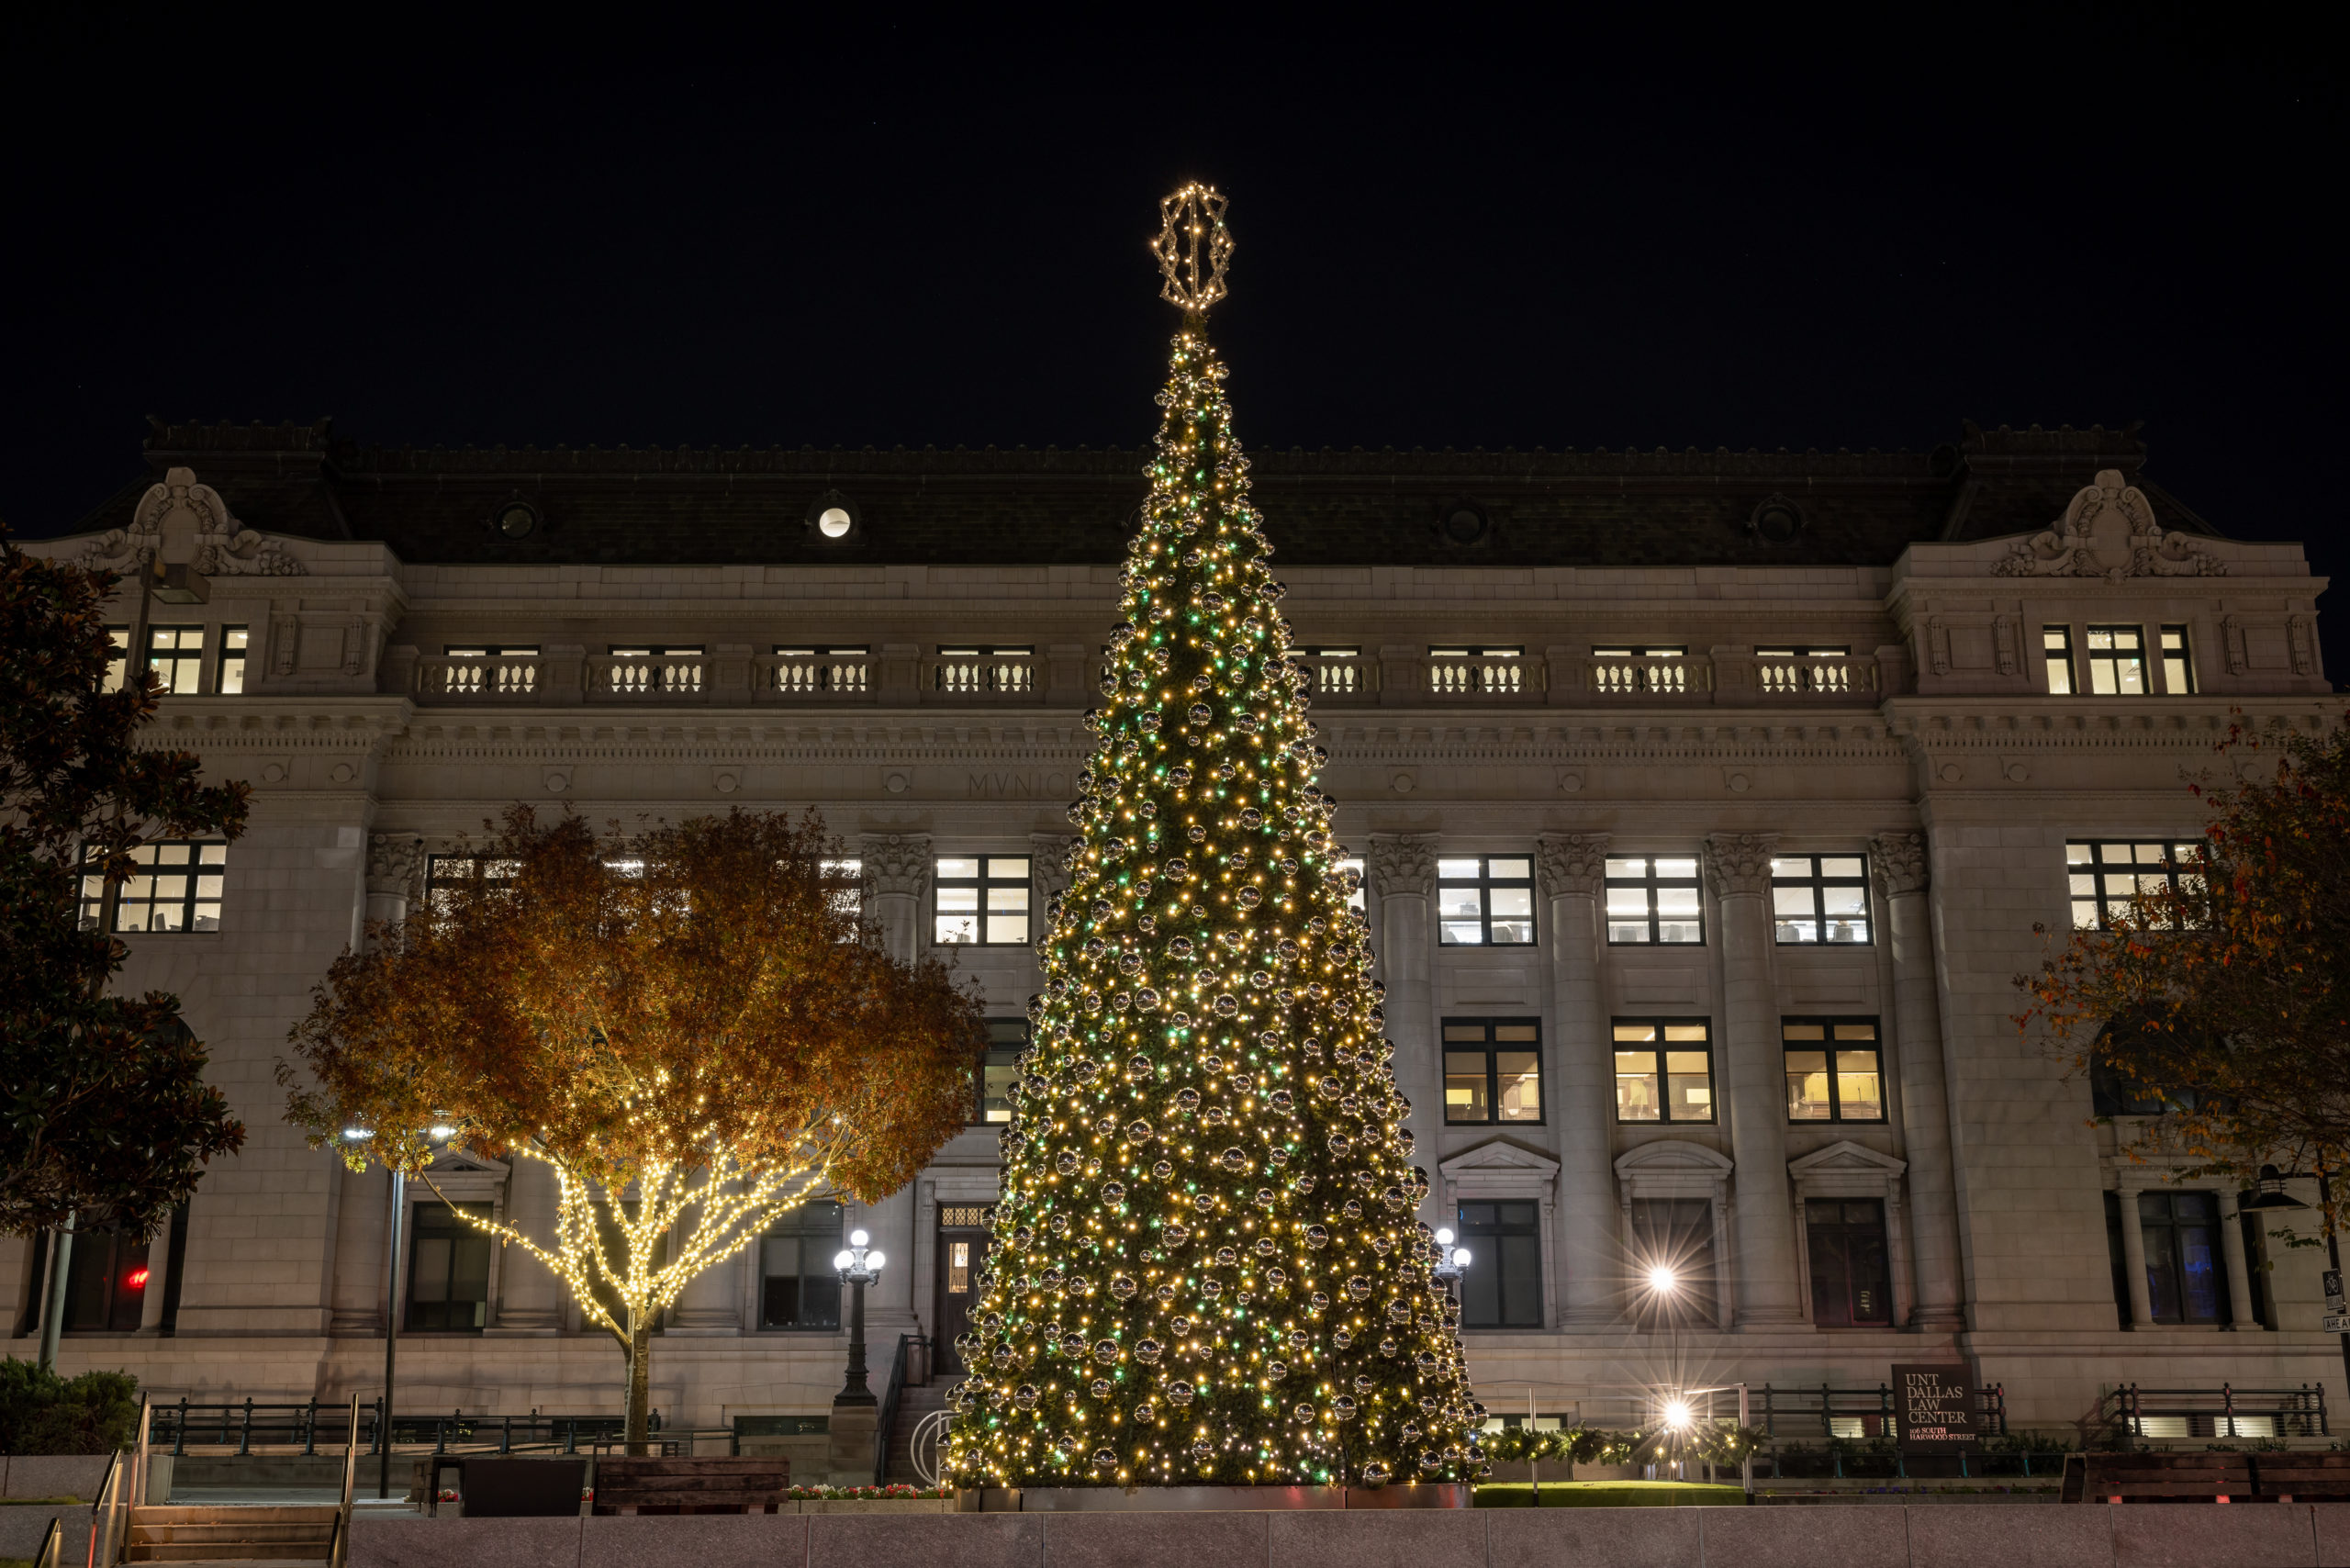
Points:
[229,1534]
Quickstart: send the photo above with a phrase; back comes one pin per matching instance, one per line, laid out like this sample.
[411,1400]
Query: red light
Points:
[138,1279]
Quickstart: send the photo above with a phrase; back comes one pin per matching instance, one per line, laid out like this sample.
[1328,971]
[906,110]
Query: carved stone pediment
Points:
[1500,1156]
[1846,1170]
[2109,531]
[179,510]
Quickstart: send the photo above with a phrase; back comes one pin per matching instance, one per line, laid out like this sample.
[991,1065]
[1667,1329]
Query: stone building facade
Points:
[1707,803]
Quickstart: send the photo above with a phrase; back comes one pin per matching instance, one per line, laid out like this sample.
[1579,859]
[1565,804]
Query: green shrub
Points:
[42,1413]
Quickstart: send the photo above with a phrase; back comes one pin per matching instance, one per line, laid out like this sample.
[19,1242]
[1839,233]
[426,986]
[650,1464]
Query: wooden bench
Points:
[749,1485]
[2303,1477]
[2157,1478]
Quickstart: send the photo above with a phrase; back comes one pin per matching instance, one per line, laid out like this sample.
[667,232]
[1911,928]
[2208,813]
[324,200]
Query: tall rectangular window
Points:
[1850,1285]
[175,655]
[1820,898]
[2106,874]
[982,900]
[1487,900]
[1492,1069]
[1354,899]
[1664,1069]
[1503,1288]
[106,1285]
[849,900]
[2057,648]
[443,873]
[118,660]
[229,678]
[1671,1263]
[2117,661]
[2182,1236]
[175,887]
[448,1279]
[996,1076]
[1834,1072]
[798,1286]
[1654,899]
[2179,663]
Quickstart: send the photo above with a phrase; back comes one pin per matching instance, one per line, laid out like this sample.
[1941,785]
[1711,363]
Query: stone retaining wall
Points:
[2084,1535]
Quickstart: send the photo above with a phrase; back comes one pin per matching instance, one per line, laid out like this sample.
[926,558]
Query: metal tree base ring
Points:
[1206,1499]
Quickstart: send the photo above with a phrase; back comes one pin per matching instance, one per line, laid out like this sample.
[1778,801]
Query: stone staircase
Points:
[231,1537]
[913,1403]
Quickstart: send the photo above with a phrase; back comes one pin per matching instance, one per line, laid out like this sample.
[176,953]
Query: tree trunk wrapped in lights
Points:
[1206,1269]
[687,1025]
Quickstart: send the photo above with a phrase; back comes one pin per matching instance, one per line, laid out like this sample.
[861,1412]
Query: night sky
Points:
[1452,231]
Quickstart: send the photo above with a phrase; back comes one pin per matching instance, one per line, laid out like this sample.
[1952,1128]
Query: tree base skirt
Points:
[1206,1499]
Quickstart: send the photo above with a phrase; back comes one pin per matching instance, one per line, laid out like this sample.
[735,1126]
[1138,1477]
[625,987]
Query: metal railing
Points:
[886,1418]
[247,1427]
[2134,1414]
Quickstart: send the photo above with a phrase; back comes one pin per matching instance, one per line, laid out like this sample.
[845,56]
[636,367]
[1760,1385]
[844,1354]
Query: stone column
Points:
[1403,868]
[1899,862]
[2235,1258]
[529,1297]
[395,875]
[357,1305]
[897,873]
[1747,1059]
[2134,1261]
[1574,866]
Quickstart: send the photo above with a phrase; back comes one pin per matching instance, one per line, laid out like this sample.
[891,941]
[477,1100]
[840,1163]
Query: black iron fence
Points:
[249,1426]
[2131,1415]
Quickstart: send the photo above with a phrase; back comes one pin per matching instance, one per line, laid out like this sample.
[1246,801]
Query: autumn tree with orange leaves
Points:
[689,1026]
[2225,998]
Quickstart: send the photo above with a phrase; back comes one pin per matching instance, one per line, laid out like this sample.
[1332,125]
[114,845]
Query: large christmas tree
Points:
[1206,1266]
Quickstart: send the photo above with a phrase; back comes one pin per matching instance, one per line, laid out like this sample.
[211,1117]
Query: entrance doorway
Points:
[962,1254]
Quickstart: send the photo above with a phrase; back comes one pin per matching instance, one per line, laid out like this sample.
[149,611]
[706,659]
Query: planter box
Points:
[872,1506]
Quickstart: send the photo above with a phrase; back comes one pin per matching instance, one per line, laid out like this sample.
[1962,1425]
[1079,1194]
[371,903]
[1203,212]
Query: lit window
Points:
[982,901]
[1640,671]
[176,887]
[849,900]
[1820,898]
[175,658]
[1354,899]
[2179,663]
[996,1079]
[2117,661]
[2106,874]
[1654,899]
[231,680]
[1834,1073]
[975,669]
[1485,900]
[1664,1071]
[118,660]
[2057,648]
[1492,1069]
[443,873]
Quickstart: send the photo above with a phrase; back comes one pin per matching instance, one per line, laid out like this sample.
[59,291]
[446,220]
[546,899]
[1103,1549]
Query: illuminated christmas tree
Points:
[1206,1266]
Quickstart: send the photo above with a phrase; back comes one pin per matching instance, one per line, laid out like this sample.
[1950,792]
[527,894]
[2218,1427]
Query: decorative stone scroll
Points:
[1048,864]
[1739,863]
[1572,863]
[2109,531]
[224,547]
[1898,861]
[1402,864]
[896,862]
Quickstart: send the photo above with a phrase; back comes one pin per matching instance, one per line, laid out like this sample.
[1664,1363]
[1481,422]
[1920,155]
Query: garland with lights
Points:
[1205,1268]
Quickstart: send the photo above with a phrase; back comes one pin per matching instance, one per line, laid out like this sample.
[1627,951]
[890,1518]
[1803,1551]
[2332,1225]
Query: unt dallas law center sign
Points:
[1935,1406]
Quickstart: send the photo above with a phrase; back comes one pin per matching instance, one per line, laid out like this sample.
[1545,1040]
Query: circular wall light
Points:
[832,519]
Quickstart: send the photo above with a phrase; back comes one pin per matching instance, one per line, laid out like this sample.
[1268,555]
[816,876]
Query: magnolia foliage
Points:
[2218,1001]
[689,1025]
[1205,1266]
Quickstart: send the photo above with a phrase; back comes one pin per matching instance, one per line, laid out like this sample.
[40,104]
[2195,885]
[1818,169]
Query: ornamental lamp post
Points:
[2270,1195]
[859,1266]
[1452,1261]
[393,1254]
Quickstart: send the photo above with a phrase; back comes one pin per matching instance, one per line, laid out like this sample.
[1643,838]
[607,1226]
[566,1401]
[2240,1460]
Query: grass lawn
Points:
[1609,1494]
